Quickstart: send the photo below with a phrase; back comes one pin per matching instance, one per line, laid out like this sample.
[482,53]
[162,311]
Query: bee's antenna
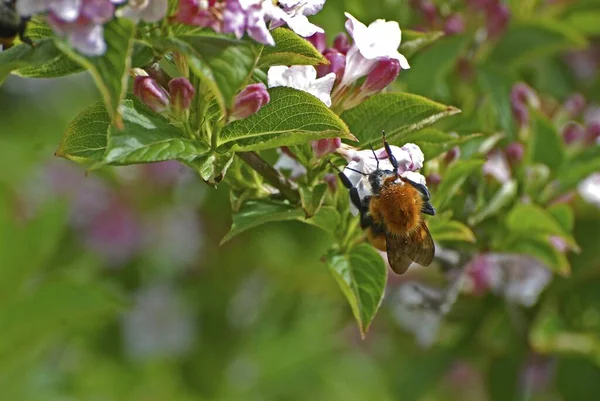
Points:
[375,156]
[388,150]
[346,168]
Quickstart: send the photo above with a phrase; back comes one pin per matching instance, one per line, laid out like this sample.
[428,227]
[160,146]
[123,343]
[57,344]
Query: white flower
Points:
[67,10]
[293,13]
[409,157]
[288,163]
[380,39]
[304,78]
[145,10]
[589,189]
[497,166]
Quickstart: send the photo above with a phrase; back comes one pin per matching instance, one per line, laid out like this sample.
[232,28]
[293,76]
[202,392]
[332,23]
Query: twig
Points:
[272,176]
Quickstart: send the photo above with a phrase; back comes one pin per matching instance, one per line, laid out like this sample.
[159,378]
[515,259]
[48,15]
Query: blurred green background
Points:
[113,285]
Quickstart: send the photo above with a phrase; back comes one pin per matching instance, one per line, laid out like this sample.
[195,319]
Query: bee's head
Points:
[379,178]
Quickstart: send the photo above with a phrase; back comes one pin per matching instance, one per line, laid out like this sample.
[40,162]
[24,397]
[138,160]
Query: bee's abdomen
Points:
[398,207]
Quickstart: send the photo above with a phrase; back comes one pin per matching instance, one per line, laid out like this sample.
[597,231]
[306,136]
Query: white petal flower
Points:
[66,10]
[289,164]
[409,157]
[589,189]
[304,78]
[293,13]
[380,39]
[145,10]
[497,166]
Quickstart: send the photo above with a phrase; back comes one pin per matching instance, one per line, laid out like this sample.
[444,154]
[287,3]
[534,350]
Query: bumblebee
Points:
[393,215]
[12,24]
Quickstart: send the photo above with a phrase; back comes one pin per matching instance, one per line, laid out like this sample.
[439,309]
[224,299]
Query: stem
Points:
[271,175]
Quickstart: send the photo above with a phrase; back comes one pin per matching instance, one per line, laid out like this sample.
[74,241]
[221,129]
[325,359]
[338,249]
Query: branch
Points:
[271,175]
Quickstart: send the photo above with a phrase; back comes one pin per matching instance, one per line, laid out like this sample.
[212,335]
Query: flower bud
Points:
[574,105]
[384,73]
[572,132]
[497,18]
[455,24]
[429,11]
[514,152]
[337,64]
[331,181]
[341,43]
[522,94]
[433,180]
[249,101]
[182,92]
[592,132]
[318,40]
[452,155]
[520,114]
[323,147]
[151,93]
[158,74]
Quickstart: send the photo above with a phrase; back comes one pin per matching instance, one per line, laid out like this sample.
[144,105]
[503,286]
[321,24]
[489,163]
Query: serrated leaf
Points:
[449,230]
[312,198]
[454,178]
[397,113]
[23,55]
[434,142]
[429,68]
[502,198]
[290,49]
[362,276]
[546,145]
[109,71]
[540,248]
[86,136]
[414,41]
[223,63]
[525,41]
[254,213]
[148,137]
[291,117]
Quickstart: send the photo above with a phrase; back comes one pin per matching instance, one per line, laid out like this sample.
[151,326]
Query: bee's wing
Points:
[417,247]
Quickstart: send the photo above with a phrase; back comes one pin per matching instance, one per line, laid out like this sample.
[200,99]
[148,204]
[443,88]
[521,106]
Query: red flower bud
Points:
[429,11]
[574,104]
[318,40]
[452,155]
[592,132]
[341,43]
[497,18]
[572,132]
[323,147]
[454,24]
[337,64]
[182,92]
[514,152]
[151,93]
[384,73]
[433,180]
[249,101]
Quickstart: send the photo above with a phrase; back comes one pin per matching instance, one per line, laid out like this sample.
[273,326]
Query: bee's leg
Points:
[366,220]
[388,150]
[419,187]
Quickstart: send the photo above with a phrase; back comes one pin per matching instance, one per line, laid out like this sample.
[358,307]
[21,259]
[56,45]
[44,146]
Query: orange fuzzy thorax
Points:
[397,206]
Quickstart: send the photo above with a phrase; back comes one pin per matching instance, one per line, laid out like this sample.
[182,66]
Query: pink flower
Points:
[151,93]
[323,147]
[182,92]
[249,101]
[383,74]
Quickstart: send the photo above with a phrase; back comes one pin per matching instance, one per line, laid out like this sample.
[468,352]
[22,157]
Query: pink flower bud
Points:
[337,64]
[182,92]
[429,11]
[592,132]
[520,114]
[572,132]
[433,180]
[452,155]
[522,93]
[249,101]
[574,104]
[384,73]
[341,43]
[497,18]
[151,93]
[323,147]
[318,40]
[331,180]
[455,24]
[158,74]
[514,152]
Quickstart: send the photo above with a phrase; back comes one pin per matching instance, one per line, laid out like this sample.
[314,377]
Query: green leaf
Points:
[502,198]
[52,307]
[223,63]
[564,215]
[212,166]
[496,83]
[148,137]
[291,117]
[414,41]
[526,41]
[312,198]
[454,178]
[434,142]
[362,276]
[540,248]
[255,213]
[546,145]
[529,218]
[109,71]
[449,230]
[585,22]
[86,136]
[290,49]
[397,113]
[429,68]
[25,56]
[578,168]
